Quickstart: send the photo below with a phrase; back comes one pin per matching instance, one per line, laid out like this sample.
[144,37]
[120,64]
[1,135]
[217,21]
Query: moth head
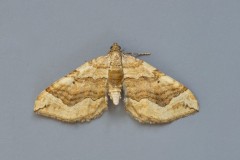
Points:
[115,47]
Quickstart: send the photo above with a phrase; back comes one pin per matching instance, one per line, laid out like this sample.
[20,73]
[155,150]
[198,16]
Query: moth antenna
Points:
[138,54]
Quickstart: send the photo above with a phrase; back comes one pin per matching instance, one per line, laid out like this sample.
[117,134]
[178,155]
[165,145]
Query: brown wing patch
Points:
[81,88]
[152,89]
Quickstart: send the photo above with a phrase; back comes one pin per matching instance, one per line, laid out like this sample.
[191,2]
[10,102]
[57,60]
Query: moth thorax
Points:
[115,95]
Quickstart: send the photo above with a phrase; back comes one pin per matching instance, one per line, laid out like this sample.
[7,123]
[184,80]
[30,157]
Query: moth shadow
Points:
[45,119]
[116,114]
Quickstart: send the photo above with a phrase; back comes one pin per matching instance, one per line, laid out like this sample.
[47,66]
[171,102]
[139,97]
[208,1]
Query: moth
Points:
[150,96]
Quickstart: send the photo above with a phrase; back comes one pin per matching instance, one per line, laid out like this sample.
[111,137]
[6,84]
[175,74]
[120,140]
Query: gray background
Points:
[196,42]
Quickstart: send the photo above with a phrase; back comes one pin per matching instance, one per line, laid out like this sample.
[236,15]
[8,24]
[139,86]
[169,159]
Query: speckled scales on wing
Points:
[153,97]
[79,96]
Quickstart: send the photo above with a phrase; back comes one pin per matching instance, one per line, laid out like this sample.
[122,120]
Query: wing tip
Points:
[48,110]
[155,115]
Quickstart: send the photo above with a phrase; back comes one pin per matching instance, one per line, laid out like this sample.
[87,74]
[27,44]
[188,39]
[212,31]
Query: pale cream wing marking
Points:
[79,96]
[153,97]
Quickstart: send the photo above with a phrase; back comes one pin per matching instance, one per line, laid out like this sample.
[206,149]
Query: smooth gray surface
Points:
[196,42]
